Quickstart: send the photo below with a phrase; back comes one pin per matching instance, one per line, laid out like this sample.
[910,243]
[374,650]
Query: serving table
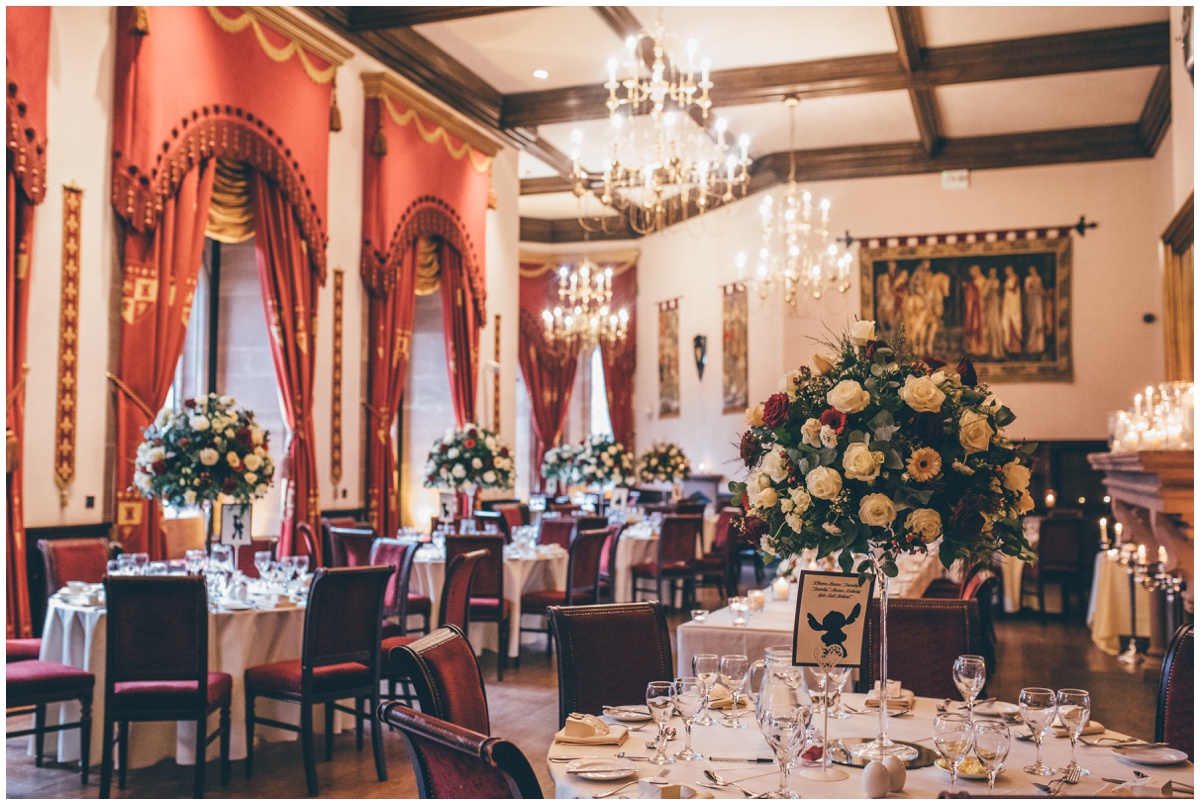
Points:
[1108,606]
[926,782]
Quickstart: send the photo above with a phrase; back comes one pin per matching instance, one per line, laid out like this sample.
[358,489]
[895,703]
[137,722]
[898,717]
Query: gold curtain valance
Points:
[231,213]
[429,268]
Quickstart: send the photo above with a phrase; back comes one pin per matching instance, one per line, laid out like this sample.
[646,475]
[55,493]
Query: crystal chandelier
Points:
[663,163]
[798,256]
[583,317]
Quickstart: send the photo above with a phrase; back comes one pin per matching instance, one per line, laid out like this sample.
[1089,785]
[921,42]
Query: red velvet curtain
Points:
[461,322]
[289,287]
[550,377]
[390,310]
[620,362]
[156,300]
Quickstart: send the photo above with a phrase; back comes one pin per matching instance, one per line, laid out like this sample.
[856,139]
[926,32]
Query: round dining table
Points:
[738,748]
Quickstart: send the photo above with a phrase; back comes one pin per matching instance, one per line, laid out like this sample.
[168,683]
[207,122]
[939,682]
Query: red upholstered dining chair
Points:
[557,531]
[83,559]
[607,584]
[245,555]
[157,668]
[339,660]
[445,674]
[516,514]
[1060,559]
[1176,693]
[608,653]
[716,567]
[350,547]
[327,542]
[398,602]
[676,560]
[32,684]
[935,632]
[22,648]
[687,507]
[488,604]
[306,538]
[451,762]
[583,577]
[487,521]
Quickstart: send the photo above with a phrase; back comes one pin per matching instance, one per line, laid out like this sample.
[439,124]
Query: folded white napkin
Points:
[647,790]
[590,730]
[1091,728]
[897,697]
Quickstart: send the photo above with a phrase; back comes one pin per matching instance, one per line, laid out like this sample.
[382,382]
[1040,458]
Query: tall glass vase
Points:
[468,492]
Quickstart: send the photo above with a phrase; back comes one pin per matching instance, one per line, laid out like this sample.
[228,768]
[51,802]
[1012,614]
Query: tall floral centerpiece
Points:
[873,452]
[207,451]
[558,465]
[467,459]
[664,462]
[602,461]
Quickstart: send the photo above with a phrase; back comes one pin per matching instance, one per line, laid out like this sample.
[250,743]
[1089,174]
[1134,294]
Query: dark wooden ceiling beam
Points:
[569,230]
[1156,114]
[910,42]
[622,21]
[376,18]
[543,185]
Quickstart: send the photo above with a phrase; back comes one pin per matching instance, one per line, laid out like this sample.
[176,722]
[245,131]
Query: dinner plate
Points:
[607,768]
[998,709]
[1150,755]
[632,713]
[963,775]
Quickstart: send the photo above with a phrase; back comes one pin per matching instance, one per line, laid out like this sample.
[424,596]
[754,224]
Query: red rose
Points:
[753,528]
[471,433]
[750,449]
[967,521]
[229,485]
[927,425]
[503,452]
[469,443]
[189,403]
[834,419]
[158,467]
[243,438]
[775,411]
[933,363]
[872,346]
[966,370]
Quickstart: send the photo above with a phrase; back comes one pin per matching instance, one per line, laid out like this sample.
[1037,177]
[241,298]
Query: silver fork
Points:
[661,779]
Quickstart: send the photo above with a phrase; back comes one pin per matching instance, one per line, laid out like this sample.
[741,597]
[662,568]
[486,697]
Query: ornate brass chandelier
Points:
[664,165]
[798,257]
[584,316]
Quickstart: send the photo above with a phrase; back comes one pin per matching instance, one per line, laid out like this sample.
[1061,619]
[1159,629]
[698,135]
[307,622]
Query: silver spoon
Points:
[721,781]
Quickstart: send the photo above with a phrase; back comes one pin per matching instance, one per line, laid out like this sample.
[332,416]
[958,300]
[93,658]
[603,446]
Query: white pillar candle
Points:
[757,599]
[783,588]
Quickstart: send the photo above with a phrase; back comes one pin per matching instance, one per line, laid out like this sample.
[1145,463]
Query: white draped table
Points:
[927,782]
[1108,606]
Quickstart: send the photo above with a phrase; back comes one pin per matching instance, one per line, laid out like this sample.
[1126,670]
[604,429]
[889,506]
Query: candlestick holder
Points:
[1130,656]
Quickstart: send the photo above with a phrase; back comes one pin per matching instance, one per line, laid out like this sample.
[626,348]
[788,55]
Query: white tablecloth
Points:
[927,782]
[1012,568]
[639,545]
[76,636]
[775,624]
[1108,608]
[522,574]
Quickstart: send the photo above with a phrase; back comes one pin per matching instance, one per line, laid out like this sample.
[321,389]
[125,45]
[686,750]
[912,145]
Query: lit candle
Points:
[1162,555]
[1050,499]
[782,588]
[1104,530]
[1152,439]
[757,599]
[1141,554]
[1137,404]
[1118,529]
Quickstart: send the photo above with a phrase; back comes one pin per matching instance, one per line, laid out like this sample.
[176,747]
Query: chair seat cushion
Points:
[37,678]
[650,569]
[284,677]
[25,648]
[419,604]
[483,608]
[536,602]
[711,562]
[164,694]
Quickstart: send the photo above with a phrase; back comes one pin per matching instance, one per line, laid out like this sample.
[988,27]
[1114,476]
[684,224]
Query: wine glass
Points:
[125,563]
[1074,710]
[783,720]
[301,562]
[952,736]
[689,694]
[195,560]
[733,676]
[659,700]
[287,571]
[738,607]
[706,668]
[113,568]
[992,742]
[1038,709]
[157,569]
[140,560]
[970,672]
[262,563]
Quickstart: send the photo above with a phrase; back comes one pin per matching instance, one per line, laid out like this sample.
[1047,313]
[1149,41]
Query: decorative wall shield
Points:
[700,353]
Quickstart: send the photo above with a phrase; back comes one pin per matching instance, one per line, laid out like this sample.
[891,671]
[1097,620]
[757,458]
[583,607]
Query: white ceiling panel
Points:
[959,25]
[571,43]
[876,117]
[530,167]
[558,206]
[1039,104]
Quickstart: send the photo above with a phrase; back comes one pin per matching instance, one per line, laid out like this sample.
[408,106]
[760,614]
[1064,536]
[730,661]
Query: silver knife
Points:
[741,759]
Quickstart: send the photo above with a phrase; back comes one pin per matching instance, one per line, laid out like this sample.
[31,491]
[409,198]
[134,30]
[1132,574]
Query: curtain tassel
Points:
[141,20]
[335,114]
[379,141]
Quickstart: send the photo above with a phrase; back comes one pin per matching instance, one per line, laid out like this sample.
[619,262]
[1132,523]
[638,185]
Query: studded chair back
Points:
[557,531]
[442,668]
[82,559]
[157,629]
[399,555]
[1176,695]
[456,589]
[925,636]
[342,622]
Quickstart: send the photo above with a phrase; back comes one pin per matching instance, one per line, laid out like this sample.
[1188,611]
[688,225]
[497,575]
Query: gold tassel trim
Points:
[141,20]
[335,114]
[379,141]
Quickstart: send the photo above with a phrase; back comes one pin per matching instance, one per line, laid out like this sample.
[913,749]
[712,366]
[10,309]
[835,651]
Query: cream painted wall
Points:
[503,284]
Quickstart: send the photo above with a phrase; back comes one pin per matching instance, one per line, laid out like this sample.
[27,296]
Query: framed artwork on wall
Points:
[668,359]
[735,374]
[1005,304]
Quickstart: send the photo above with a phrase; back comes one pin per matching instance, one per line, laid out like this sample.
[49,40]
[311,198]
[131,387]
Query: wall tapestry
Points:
[668,358]
[1004,303]
[735,376]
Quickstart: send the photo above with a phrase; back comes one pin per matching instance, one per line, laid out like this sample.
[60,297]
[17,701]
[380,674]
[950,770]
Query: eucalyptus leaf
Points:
[891,459]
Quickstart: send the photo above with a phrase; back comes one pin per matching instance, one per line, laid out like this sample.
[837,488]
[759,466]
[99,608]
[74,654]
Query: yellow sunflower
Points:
[924,464]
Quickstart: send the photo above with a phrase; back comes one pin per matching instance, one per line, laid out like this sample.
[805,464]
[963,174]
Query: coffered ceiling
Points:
[883,90]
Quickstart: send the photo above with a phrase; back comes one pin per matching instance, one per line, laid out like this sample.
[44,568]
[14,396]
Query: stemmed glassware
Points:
[660,701]
[733,676]
[113,568]
[739,608]
[222,556]
[706,668]
[784,722]
[827,658]
[992,742]
[1074,710]
[952,735]
[1038,709]
[262,563]
[970,673]
[140,560]
[194,561]
[689,694]
[125,563]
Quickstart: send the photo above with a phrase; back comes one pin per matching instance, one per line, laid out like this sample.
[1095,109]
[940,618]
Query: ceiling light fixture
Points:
[584,316]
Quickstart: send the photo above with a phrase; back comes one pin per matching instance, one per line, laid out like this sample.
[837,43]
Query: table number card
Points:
[620,498]
[235,524]
[447,504]
[831,611]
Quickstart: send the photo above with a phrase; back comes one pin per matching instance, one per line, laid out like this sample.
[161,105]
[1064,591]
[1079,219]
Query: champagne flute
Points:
[659,697]
[689,694]
[733,676]
[1074,710]
[706,668]
[992,740]
[952,736]
[970,673]
[1038,709]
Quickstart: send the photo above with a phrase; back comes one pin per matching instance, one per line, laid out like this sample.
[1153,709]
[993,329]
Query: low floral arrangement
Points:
[468,456]
[664,461]
[208,449]
[874,451]
[602,460]
[559,464]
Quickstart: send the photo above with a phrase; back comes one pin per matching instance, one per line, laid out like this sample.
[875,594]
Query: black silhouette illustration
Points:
[833,624]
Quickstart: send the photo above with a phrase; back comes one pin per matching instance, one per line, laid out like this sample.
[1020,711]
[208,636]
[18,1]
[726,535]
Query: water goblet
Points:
[287,572]
[262,562]
[1038,706]
[140,560]
[1074,710]
[659,697]
[992,741]
[706,668]
[157,569]
[689,695]
[222,555]
[952,736]
[970,673]
[301,562]
[113,568]
[784,723]
[733,676]
[738,607]
[194,561]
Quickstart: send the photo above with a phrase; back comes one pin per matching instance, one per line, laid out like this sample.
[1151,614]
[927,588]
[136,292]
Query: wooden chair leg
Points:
[201,754]
[329,730]
[306,748]
[226,729]
[106,758]
[39,735]
[85,737]
[122,753]
[1042,598]
[502,648]
[377,741]
[359,702]
[249,733]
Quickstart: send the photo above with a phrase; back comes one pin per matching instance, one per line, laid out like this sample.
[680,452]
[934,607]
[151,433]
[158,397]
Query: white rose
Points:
[252,462]
[795,522]
[861,462]
[260,490]
[764,544]
[786,505]
[822,363]
[231,458]
[155,454]
[260,452]
[861,332]
[1026,503]
[766,499]
[228,401]
[974,432]
[256,435]
[251,477]
[810,432]
[490,443]
[828,436]
[209,457]
[757,482]
[612,449]
[773,465]
[459,471]
[877,510]
[163,416]
[452,453]
[476,464]
[199,423]
[922,394]
[230,433]
[489,477]
[824,483]
[189,496]
[848,397]
[790,384]
[926,522]
[800,499]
